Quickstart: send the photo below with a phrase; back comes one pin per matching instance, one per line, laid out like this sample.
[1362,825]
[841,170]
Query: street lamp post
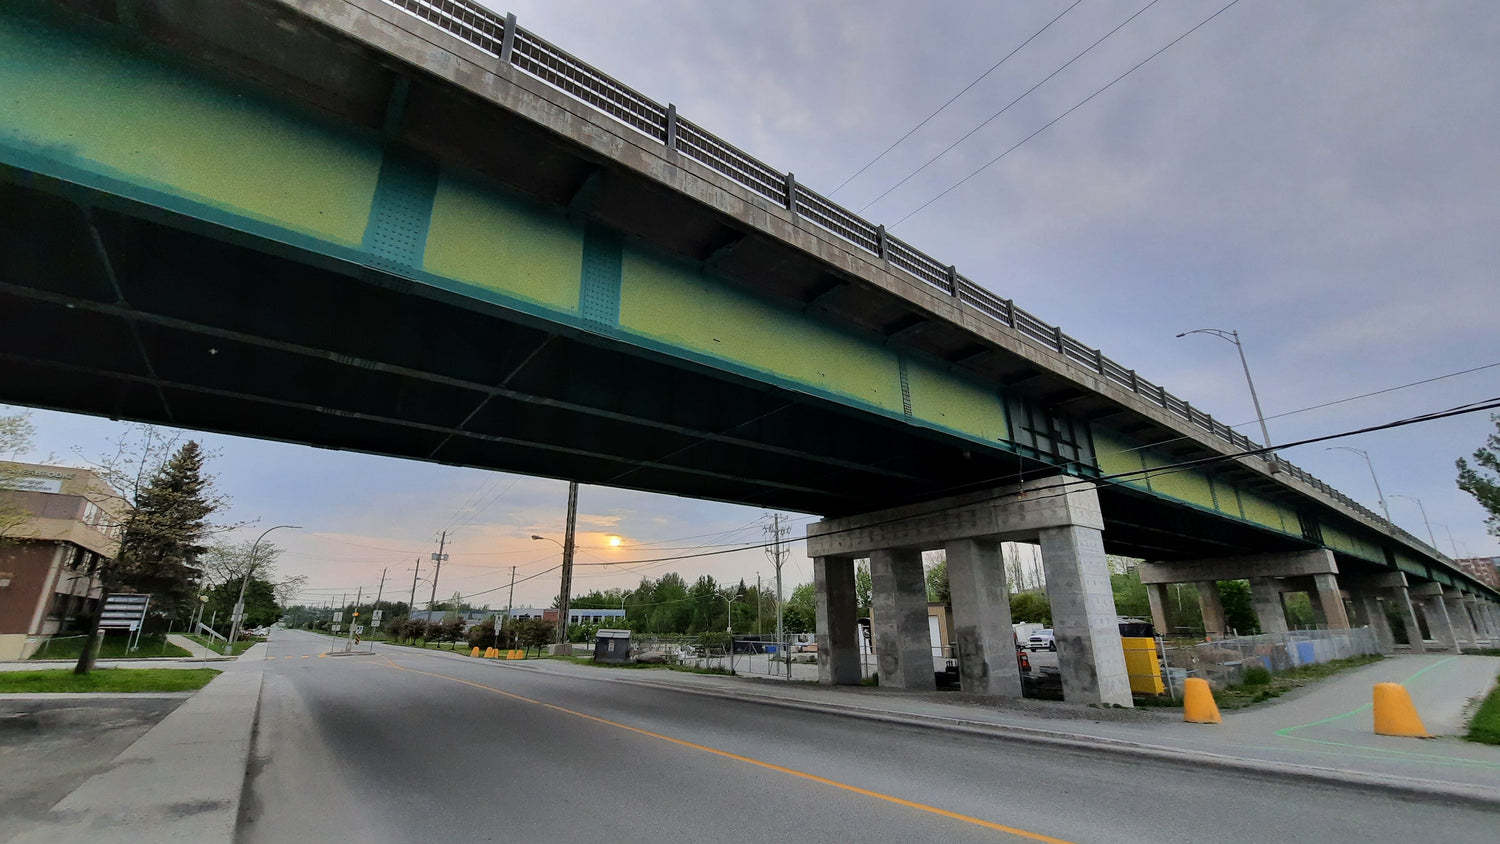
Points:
[239,607]
[729,626]
[1451,543]
[1430,536]
[1378,494]
[1234,337]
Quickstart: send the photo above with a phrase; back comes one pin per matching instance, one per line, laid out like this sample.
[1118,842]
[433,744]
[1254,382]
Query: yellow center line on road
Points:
[864,792]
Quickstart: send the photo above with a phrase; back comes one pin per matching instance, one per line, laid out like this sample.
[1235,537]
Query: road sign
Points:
[359,629]
[377,615]
[124,612]
[337,627]
[338,615]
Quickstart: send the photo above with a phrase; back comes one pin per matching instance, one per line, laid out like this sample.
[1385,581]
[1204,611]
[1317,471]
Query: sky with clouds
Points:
[1321,177]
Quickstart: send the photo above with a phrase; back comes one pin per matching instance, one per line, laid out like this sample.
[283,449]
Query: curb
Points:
[1436,791]
[181,781]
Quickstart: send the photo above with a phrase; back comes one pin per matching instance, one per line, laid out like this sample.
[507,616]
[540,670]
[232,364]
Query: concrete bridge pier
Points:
[1458,613]
[1269,574]
[1366,592]
[837,629]
[1060,514]
[1439,625]
[1485,612]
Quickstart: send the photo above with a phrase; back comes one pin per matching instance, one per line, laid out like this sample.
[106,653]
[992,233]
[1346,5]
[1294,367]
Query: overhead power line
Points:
[1058,118]
[988,120]
[977,80]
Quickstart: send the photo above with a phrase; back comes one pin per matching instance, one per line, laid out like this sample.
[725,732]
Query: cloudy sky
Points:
[1321,177]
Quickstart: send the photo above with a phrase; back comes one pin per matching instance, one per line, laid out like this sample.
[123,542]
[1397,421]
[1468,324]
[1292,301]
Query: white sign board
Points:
[338,615]
[336,627]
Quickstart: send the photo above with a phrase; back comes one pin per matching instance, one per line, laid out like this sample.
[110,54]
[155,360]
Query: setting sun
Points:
[614,541]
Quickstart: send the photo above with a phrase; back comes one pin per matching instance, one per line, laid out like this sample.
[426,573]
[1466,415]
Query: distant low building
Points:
[68,523]
[576,615]
[470,617]
[1486,570]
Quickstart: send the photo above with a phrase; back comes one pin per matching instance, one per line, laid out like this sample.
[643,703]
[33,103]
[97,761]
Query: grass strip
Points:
[217,647]
[106,680]
[113,647]
[1485,726]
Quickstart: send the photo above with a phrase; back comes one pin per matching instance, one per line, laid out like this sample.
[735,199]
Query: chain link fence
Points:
[1223,662]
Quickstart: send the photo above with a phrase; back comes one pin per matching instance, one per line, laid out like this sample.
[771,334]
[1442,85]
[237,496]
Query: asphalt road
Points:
[404,745]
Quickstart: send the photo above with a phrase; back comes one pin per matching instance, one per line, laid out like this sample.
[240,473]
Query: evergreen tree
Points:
[165,533]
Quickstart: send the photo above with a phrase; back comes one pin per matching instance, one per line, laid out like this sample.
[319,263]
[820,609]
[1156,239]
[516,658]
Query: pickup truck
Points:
[1042,640]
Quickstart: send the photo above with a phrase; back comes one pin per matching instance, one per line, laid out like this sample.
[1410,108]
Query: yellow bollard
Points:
[489,653]
[1395,714]
[1198,705]
[474,652]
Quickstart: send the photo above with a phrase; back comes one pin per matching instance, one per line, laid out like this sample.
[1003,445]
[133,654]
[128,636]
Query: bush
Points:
[1256,675]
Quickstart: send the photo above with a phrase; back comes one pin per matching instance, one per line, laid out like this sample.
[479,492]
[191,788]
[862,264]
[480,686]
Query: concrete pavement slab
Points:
[181,781]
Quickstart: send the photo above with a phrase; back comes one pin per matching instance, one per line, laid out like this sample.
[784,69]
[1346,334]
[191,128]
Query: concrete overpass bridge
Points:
[415,229]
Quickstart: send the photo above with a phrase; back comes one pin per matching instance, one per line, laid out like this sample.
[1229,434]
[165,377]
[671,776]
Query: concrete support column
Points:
[1374,616]
[1402,596]
[1265,598]
[1328,597]
[1156,593]
[1458,616]
[1084,619]
[1476,612]
[1214,622]
[899,615]
[981,619]
[1491,619]
[837,625]
[1438,622]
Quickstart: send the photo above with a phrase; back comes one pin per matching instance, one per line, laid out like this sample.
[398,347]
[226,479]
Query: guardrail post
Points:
[1057,338]
[1135,383]
[882,245]
[791,193]
[1010,312]
[671,126]
[1163,391]
[953,281]
[1099,361]
[508,40]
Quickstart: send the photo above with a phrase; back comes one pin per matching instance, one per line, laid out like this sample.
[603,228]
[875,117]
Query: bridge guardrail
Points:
[503,39]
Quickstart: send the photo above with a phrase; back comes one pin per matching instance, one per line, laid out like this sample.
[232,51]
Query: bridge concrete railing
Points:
[502,38]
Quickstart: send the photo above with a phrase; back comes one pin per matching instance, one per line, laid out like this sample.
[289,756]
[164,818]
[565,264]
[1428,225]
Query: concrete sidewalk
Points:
[181,781]
[1324,732]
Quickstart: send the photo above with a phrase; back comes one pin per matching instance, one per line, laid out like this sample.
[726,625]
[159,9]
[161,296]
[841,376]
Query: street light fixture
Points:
[1451,543]
[239,607]
[1430,537]
[1378,494]
[1234,337]
[729,625]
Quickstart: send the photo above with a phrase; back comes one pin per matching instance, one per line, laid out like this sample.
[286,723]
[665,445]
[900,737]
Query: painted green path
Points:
[1332,724]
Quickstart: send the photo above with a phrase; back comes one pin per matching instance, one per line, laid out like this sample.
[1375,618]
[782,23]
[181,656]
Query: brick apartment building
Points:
[69,521]
[1486,570]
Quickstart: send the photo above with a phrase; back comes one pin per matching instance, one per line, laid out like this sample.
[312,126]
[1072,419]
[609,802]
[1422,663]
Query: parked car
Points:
[1043,640]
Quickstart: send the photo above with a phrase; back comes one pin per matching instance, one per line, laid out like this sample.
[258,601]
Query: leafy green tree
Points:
[535,632]
[1031,607]
[261,608]
[1239,613]
[863,588]
[801,612]
[1482,480]
[937,582]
